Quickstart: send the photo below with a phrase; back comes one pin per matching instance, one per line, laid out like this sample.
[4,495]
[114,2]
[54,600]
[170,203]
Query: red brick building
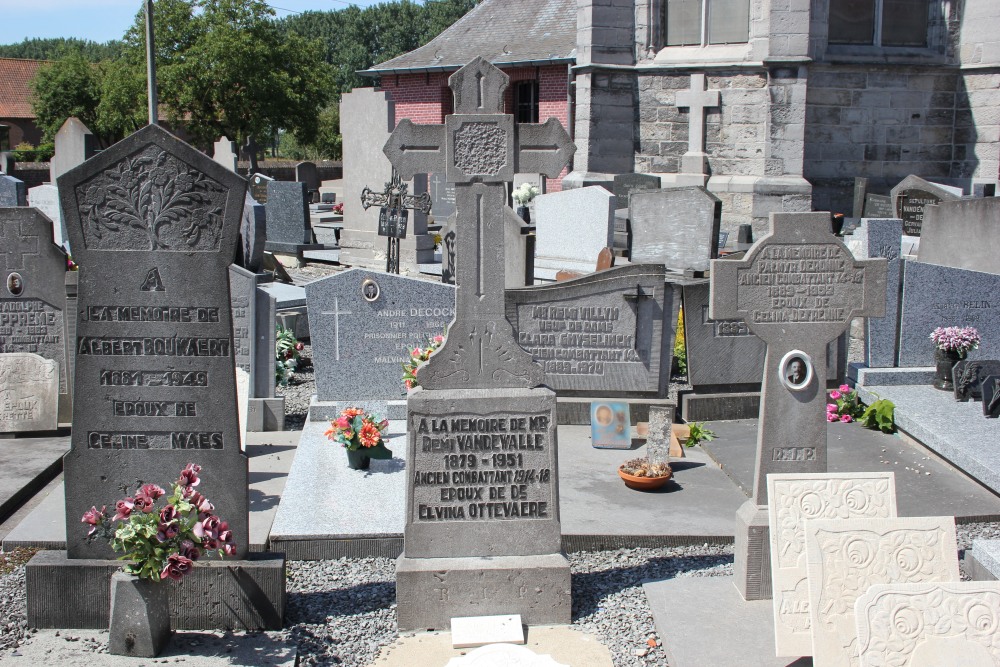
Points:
[17,119]
[532,41]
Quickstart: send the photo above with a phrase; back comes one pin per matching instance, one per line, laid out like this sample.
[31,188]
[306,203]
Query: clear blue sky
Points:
[101,20]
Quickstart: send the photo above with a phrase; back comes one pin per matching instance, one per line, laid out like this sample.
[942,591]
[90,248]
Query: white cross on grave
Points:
[798,288]
[15,245]
[697,99]
[480,148]
[336,313]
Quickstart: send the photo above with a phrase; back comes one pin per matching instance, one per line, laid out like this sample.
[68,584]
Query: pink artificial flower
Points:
[415,353]
[229,549]
[177,566]
[438,339]
[343,422]
[123,508]
[143,503]
[190,550]
[831,407]
[199,501]
[408,383]
[847,419]
[384,424]
[189,476]
[168,514]
[300,346]
[831,416]
[845,389]
[166,531]
[835,394]
[93,517]
[210,543]
[152,490]
[212,525]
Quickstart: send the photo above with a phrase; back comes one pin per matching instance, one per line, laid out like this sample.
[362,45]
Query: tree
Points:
[55,48]
[67,87]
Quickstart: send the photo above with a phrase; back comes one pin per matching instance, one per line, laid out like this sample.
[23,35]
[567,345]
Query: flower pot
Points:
[140,616]
[945,361]
[358,460]
[643,483]
[524,213]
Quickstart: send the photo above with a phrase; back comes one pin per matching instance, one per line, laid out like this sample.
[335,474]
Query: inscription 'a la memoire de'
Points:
[800,283]
[152,201]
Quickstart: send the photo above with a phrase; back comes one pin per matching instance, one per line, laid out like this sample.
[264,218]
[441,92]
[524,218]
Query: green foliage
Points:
[25,152]
[680,346]
[54,48]
[286,355]
[699,431]
[881,415]
[67,87]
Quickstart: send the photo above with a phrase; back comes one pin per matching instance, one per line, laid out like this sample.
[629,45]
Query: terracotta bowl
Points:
[643,483]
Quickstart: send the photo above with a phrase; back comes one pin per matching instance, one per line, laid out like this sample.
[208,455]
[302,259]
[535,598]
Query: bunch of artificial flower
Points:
[356,429]
[418,356]
[956,339]
[845,407]
[525,193]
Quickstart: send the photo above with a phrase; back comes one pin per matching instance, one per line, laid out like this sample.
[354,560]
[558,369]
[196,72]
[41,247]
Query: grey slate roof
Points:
[502,31]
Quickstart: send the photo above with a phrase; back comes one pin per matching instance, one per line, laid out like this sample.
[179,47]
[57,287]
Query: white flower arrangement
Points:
[525,193]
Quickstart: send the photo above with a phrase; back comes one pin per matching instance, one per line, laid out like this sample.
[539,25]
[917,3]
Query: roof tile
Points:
[15,91]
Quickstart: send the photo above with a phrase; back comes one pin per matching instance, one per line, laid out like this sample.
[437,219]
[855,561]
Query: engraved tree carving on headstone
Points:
[493,545]
[154,224]
[798,289]
[393,214]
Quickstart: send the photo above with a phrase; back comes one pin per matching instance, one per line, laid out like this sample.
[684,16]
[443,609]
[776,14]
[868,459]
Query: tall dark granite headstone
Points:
[33,292]
[912,195]
[474,545]
[154,224]
[797,289]
[12,192]
[288,227]
[626,184]
[253,235]
[258,187]
[306,172]
[878,206]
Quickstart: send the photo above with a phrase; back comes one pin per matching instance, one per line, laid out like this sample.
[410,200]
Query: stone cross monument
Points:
[697,99]
[798,289]
[482,518]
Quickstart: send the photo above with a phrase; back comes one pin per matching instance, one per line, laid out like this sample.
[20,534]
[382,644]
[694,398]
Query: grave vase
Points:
[358,459]
[524,213]
[140,616]
[945,360]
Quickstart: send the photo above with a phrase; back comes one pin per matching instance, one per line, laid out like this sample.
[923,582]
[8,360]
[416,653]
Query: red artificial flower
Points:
[189,476]
[177,566]
[369,435]
[123,508]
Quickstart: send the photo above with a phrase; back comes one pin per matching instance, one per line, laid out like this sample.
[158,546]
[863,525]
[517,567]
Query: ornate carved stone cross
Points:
[480,148]
[798,289]
[697,99]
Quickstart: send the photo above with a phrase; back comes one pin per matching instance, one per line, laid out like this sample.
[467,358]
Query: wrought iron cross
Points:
[392,218]
[479,149]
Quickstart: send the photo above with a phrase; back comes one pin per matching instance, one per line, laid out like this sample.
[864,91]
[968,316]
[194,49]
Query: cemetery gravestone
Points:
[482,528]
[155,381]
[287,214]
[74,144]
[442,197]
[33,292]
[585,215]
[243,302]
[969,376]
[253,235]
[661,423]
[626,184]
[845,557]
[7,163]
[604,332]
[225,153]
[912,195]
[46,199]
[258,187]
[878,206]
[795,499]
[860,192]
[364,325]
[939,296]
[910,625]
[306,172]
[678,227]
[12,192]
[882,239]
[29,393]
[798,289]
[962,234]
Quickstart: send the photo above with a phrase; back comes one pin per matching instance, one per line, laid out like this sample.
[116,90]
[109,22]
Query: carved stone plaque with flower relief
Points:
[153,224]
[795,498]
[930,625]
[845,557]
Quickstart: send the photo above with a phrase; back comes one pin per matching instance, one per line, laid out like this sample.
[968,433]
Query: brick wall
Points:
[426,99]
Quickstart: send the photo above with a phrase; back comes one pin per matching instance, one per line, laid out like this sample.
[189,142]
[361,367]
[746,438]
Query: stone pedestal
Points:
[752,552]
[432,591]
[140,616]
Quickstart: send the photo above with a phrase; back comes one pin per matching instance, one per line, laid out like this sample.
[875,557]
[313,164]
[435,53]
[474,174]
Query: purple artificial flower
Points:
[94,517]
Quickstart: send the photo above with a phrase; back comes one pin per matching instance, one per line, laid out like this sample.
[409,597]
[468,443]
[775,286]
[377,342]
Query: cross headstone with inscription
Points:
[12,192]
[696,99]
[797,289]
[74,144]
[363,326]
[45,198]
[33,293]
[442,197]
[488,542]
[155,383]
[29,393]
[225,153]
[677,227]
[912,195]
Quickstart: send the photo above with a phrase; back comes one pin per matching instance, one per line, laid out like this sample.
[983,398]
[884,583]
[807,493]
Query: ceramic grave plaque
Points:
[258,187]
[913,195]
[482,533]
[677,227]
[604,332]
[794,499]
[32,290]
[610,425]
[154,224]
[952,624]
[363,326]
[797,289]
[845,557]
[29,393]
